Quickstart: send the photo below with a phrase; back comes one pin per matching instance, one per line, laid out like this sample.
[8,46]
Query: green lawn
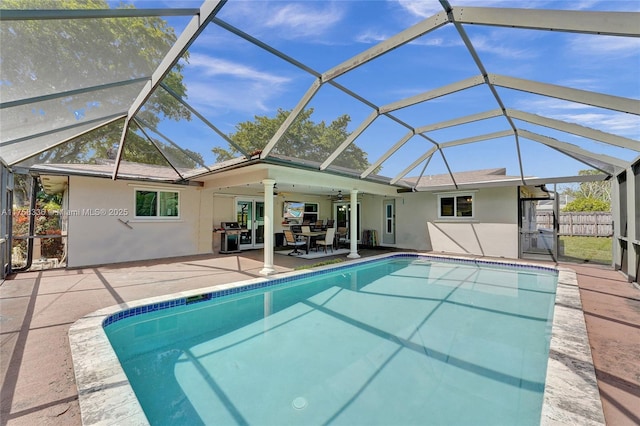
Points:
[325,262]
[591,249]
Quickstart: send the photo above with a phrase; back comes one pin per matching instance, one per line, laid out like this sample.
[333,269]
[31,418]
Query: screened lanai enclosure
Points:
[451,101]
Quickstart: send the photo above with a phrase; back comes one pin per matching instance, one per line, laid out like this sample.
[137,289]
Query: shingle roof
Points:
[471,176]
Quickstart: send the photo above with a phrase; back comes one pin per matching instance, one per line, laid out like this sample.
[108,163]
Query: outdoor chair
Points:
[308,229]
[291,240]
[328,240]
[341,235]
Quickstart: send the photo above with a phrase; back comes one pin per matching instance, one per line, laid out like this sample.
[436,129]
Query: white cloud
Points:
[604,46]
[584,4]
[210,66]
[544,105]
[371,37]
[304,19]
[622,124]
[222,85]
[285,20]
[493,43]
[603,5]
[216,99]
[590,84]
[585,115]
[421,8]
[425,9]
[497,47]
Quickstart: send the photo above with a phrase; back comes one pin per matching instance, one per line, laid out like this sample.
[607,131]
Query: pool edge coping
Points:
[106,397]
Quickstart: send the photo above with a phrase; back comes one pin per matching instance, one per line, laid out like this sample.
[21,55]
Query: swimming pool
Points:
[451,343]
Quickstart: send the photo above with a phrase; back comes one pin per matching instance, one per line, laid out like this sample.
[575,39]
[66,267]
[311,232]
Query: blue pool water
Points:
[402,341]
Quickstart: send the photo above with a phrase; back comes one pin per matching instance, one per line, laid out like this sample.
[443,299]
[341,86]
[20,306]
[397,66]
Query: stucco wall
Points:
[492,232]
[96,236]
[222,210]
[100,239]
[371,214]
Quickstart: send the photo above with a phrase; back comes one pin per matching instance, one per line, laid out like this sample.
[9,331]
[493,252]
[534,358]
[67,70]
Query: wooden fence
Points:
[592,224]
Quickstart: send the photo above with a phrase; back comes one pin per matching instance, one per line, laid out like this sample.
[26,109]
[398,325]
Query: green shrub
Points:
[587,205]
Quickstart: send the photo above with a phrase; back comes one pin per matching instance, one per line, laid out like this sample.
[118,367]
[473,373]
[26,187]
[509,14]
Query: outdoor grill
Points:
[230,237]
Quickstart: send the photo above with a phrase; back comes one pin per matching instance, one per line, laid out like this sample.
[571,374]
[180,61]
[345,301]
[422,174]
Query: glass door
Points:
[244,213]
[258,223]
[250,216]
[537,237]
[389,234]
[342,215]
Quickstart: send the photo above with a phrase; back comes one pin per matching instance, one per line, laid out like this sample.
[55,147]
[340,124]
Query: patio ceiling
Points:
[443,88]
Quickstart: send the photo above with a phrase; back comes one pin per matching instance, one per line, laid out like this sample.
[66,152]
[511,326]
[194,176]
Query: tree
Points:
[589,196]
[305,139]
[49,56]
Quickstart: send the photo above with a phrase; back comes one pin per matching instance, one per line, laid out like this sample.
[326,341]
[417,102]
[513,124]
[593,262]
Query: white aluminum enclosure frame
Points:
[597,23]
[480,78]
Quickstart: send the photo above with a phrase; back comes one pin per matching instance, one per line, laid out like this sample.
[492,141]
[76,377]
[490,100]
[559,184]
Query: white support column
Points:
[353,225]
[268,268]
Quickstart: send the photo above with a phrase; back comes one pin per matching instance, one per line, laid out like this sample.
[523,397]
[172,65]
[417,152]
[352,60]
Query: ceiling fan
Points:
[338,197]
[276,191]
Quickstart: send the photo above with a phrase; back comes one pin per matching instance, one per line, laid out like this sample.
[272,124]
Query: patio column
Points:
[353,225]
[268,268]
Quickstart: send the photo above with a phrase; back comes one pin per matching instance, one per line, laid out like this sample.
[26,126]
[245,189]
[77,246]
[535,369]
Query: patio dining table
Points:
[310,235]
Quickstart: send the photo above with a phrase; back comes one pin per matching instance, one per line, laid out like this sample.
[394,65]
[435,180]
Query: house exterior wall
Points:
[96,236]
[492,232]
[371,214]
[223,209]
[205,227]
[101,238]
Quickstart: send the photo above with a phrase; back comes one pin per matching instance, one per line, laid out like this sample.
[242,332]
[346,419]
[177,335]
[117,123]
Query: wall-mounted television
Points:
[293,210]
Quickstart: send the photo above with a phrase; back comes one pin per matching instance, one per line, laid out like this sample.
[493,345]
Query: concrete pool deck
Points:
[38,309]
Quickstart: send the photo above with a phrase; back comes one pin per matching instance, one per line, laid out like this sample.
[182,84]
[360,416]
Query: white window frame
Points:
[158,191]
[455,196]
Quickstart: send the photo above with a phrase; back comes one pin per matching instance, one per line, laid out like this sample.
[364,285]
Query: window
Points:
[310,212]
[455,205]
[152,203]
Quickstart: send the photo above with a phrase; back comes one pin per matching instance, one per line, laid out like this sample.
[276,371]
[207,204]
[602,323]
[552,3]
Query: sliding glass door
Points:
[342,215]
[250,216]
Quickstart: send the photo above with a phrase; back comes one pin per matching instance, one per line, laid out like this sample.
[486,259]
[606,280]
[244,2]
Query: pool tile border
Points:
[275,281]
[106,397]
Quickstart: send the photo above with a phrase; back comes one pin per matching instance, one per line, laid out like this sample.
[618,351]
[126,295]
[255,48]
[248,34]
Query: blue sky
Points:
[230,80]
